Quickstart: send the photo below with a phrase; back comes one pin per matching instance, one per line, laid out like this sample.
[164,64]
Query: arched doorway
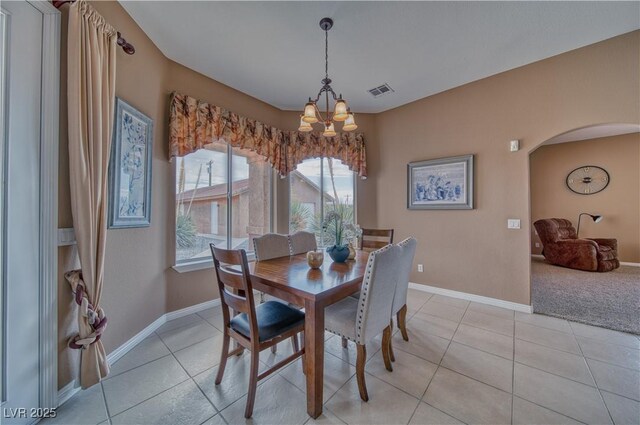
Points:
[600,299]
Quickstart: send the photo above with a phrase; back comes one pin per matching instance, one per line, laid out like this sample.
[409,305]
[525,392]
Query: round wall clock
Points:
[587,180]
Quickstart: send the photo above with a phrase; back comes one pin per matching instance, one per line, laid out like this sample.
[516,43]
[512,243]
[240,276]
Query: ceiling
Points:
[274,51]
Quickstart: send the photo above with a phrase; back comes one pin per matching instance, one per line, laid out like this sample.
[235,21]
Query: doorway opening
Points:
[585,226]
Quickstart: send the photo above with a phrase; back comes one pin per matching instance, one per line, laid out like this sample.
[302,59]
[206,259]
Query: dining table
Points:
[292,280]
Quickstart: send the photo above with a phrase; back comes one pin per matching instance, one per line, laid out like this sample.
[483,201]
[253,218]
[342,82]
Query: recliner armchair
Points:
[561,246]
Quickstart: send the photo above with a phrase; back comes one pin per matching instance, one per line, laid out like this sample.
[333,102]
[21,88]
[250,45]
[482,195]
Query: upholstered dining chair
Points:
[254,327]
[376,238]
[302,242]
[372,239]
[363,319]
[271,245]
[403,272]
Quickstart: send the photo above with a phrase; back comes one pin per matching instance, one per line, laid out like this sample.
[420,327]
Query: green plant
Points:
[185,231]
[299,216]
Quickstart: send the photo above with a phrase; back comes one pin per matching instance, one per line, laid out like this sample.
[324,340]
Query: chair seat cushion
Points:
[273,319]
[340,318]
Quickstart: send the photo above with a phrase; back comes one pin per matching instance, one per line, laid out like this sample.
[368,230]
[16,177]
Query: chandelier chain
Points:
[326,54]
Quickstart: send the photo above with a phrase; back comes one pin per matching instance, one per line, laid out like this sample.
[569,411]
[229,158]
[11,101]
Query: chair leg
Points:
[253,383]
[223,357]
[360,360]
[295,344]
[274,348]
[391,355]
[402,322]
[345,343]
[386,342]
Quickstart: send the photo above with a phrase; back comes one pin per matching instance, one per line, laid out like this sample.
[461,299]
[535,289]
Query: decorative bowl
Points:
[315,259]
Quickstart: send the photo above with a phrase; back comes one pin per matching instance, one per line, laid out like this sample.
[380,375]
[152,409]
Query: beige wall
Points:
[619,203]
[469,251]
[473,251]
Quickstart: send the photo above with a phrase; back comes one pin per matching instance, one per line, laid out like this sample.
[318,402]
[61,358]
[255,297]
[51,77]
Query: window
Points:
[318,186]
[223,196]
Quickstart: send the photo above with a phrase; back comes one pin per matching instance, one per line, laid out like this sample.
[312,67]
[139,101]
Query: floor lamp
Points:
[596,219]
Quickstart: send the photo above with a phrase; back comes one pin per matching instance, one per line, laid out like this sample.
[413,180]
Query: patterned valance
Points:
[194,124]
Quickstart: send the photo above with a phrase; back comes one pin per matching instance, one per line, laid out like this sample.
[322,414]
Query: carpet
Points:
[610,300]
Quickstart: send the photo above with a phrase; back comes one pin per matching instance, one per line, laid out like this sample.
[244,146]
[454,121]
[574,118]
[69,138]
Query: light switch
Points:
[513,223]
[66,236]
[514,145]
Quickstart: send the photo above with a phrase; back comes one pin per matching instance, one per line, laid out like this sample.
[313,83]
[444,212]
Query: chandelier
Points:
[341,112]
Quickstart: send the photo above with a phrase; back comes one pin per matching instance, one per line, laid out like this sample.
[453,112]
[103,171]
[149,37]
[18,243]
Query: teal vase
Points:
[338,253]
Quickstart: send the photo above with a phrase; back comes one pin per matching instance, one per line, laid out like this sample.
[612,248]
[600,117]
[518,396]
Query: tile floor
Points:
[464,363]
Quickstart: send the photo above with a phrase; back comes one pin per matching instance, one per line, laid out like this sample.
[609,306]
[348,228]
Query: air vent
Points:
[380,90]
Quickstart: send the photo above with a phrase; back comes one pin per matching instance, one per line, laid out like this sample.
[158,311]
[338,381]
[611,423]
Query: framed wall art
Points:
[444,184]
[130,168]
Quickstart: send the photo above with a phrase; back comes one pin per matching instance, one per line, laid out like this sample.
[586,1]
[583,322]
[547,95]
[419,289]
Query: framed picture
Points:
[130,168]
[443,184]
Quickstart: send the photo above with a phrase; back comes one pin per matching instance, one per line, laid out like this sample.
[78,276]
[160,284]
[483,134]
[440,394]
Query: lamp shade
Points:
[310,113]
[329,130]
[350,123]
[340,112]
[305,127]
[597,218]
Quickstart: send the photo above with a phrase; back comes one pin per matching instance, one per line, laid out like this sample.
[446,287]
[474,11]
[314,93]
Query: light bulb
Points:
[350,123]
[310,113]
[340,111]
[305,127]
[329,130]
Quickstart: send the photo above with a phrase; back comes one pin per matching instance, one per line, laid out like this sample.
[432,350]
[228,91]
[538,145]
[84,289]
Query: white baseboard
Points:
[472,297]
[622,263]
[192,309]
[68,391]
[116,354]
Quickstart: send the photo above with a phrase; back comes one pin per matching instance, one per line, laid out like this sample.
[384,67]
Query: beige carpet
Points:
[610,300]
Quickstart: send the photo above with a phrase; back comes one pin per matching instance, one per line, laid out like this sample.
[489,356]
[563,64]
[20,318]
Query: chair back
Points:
[551,230]
[377,293]
[376,238]
[271,245]
[302,242]
[234,285]
[405,264]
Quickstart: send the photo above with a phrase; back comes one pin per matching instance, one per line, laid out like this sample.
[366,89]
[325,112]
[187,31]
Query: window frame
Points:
[188,265]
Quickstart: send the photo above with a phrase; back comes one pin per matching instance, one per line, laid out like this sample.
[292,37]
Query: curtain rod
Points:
[127,47]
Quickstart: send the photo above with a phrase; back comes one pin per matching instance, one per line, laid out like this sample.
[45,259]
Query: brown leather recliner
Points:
[561,246]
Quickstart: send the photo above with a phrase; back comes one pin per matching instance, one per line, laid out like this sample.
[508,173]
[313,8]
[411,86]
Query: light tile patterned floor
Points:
[464,363]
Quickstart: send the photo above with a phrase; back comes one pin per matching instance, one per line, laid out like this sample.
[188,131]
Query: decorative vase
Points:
[338,253]
[352,252]
[315,259]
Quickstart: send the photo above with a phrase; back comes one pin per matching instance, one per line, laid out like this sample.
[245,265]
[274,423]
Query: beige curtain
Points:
[91,97]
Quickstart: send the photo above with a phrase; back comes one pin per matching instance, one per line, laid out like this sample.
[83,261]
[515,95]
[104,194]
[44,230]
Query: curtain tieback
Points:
[94,317]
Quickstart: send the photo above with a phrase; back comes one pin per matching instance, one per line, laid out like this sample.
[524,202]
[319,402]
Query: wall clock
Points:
[587,180]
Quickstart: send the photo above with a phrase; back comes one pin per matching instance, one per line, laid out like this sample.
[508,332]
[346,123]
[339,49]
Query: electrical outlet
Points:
[537,245]
[420,268]
[513,223]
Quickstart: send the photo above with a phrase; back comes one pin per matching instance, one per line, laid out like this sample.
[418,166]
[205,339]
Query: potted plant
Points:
[334,224]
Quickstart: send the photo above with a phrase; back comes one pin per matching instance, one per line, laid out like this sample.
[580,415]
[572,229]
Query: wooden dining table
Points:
[291,279]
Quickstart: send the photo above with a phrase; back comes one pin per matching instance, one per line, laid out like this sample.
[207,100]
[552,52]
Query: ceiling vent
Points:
[380,90]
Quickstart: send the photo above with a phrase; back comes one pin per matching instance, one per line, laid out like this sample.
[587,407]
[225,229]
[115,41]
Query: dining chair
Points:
[403,271]
[376,238]
[372,239]
[253,327]
[363,319]
[271,245]
[267,247]
[302,242]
